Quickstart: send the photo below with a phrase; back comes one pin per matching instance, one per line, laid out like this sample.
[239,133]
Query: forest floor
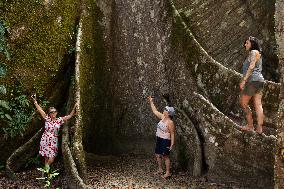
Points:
[111,172]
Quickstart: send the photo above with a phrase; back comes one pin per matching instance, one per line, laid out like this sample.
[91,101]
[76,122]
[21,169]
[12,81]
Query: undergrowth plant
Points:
[48,176]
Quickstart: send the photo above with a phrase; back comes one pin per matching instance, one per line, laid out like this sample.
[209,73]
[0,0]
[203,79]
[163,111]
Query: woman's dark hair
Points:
[169,100]
[254,44]
[50,108]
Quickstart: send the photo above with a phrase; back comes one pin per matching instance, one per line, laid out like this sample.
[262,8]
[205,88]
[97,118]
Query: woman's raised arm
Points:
[39,109]
[154,109]
[72,113]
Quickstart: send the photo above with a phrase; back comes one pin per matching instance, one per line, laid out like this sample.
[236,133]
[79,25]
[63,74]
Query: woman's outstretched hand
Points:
[150,99]
[75,108]
[76,105]
[33,97]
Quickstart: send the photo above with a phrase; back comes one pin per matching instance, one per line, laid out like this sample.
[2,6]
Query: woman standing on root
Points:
[49,139]
[165,137]
[252,84]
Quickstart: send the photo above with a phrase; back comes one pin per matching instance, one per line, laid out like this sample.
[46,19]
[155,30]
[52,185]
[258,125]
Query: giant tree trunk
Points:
[127,50]
[279,152]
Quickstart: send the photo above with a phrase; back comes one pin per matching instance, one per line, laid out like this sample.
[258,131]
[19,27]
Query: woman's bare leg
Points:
[167,162]
[159,161]
[50,160]
[259,111]
[244,100]
[45,161]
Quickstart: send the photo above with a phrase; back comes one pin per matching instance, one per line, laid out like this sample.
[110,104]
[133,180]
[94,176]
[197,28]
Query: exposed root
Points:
[216,82]
[73,153]
[20,156]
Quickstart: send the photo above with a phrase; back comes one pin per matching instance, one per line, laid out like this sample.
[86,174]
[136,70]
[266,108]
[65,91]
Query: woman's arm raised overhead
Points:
[154,109]
[72,113]
[39,109]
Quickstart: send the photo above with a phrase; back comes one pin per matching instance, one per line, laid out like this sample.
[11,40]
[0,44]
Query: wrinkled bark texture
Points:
[279,153]
[222,27]
[147,48]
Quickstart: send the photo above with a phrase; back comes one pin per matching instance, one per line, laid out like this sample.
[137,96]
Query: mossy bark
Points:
[77,137]
[31,147]
[279,152]
[75,168]
[40,40]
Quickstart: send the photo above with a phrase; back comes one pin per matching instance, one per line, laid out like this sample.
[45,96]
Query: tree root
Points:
[74,156]
[223,142]
[216,82]
[20,156]
[189,138]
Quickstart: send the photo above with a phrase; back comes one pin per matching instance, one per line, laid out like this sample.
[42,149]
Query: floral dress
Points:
[49,139]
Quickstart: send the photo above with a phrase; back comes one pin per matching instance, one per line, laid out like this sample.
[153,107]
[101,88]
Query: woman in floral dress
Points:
[49,139]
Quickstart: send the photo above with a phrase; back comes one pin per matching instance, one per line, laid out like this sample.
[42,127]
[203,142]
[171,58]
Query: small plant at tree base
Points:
[48,176]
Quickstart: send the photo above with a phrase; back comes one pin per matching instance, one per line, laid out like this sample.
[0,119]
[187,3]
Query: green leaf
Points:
[3,70]
[42,170]
[3,89]
[7,54]
[3,45]
[5,104]
[47,183]
[41,178]
[55,171]
[55,174]
[8,117]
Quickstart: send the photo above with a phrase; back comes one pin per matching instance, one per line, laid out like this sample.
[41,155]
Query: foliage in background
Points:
[4,50]
[34,39]
[3,44]
[17,114]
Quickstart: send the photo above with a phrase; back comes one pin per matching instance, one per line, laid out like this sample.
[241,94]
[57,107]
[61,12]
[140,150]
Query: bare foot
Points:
[166,176]
[160,171]
[259,129]
[247,128]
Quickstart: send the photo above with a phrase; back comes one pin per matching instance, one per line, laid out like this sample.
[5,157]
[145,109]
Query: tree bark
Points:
[205,93]
[279,152]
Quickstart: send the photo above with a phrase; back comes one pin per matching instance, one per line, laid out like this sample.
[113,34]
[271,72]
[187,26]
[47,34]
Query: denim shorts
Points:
[253,87]
[162,146]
